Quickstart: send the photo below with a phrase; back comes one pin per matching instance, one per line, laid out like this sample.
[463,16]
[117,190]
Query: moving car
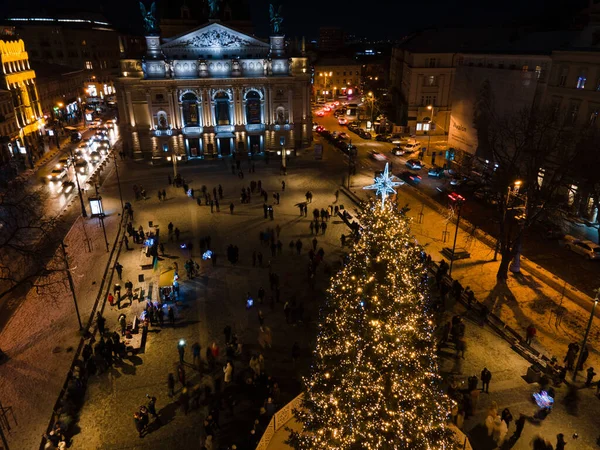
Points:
[381,137]
[436,171]
[95,157]
[343,135]
[364,134]
[342,121]
[58,175]
[584,247]
[75,136]
[398,151]
[376,156]
[64,161]
[320,128]
[410,177]
[81,166]
[414,164]
[320,113]
[411,147]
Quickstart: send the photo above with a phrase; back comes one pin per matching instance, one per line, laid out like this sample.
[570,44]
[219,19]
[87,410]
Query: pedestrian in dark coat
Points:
[119,269]
[298,246]
[590,376]
[161,316]
[171,314]
[560,442]
[171,385]
[231,207]
[486,377]
[181,350]
[181,374]
[101,322]
[519,423]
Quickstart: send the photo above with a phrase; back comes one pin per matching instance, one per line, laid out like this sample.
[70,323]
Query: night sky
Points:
[384,19]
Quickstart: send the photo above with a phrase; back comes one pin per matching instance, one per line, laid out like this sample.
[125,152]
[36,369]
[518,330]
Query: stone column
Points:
[200,108]
[290,106]
[149,103]
[176,109]
[130,109]
[172,115]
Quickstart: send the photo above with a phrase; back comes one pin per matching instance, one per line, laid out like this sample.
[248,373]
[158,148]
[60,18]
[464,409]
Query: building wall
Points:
[19,79]
[9,130]
[60,89]
[513,82]
[574,86]
[333,78]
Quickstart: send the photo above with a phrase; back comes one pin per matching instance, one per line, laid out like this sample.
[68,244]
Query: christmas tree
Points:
[374,383]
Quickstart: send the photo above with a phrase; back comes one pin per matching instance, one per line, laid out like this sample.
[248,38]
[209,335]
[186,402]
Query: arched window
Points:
[253,114]
[189,103]
[222,109]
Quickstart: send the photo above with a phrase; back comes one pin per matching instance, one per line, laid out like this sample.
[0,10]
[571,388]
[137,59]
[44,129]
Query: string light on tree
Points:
[374,382]
[385,184]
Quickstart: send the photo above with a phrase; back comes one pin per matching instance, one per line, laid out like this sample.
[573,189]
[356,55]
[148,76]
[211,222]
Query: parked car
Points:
[376,156]
[395,139]
[365,134]
[381,137]
[410,177]
[487,195]
[343,135]
[583,247]
[57,175]
[436,171]
[320,128]
[414,164]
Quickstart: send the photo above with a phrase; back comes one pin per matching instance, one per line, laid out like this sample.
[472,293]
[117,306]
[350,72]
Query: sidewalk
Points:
[42,334]
[524,300]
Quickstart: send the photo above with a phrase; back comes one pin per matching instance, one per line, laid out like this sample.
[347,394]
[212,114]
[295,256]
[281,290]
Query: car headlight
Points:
[49,177]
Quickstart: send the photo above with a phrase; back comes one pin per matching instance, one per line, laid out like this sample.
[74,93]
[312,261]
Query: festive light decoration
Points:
[385,184]
[374,382]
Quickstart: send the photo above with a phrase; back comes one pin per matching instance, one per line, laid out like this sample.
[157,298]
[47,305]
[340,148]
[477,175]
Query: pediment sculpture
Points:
[212,39]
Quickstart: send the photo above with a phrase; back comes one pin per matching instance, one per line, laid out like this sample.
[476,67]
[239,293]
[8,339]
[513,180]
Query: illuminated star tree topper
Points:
[385,184]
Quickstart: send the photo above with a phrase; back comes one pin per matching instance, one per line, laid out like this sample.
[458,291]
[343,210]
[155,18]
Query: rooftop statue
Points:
[150,23]
[276,19]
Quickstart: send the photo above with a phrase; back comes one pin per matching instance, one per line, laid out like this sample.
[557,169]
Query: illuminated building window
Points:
[419,126]
[89,65]
[426,126]
[581,82]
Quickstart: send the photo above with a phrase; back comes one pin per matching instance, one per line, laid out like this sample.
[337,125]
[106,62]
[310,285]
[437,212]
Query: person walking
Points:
[590,376]
[181,374]
[126,242]
[231,207]
[530,333]
[337,195]
[343,240]
[177,233]
[312,227]
[161,316]
[323,227]
[171,385]
[560,442]
[181,350]
[119,269]
[585,353]
[196,354]
[139,426]
[227,333]
[171,315]
[228,373]
[283,186]
[314,244]
[519,424]
[486,377]
[298,246]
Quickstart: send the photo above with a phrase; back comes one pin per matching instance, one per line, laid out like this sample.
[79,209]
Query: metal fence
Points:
[278,421]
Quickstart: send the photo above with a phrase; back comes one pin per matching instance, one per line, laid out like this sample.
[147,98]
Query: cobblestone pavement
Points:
[213,300]
[509,389]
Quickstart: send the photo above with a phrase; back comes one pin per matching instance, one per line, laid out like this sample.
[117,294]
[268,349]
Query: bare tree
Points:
[534,150]
[586,172]
[28,242]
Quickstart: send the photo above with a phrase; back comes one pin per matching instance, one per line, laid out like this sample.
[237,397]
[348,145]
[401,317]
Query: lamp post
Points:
[83,211]
[458,200]
[325,75]
[72,286]
[372,101]
[118,180]
[587,332]
[98,210]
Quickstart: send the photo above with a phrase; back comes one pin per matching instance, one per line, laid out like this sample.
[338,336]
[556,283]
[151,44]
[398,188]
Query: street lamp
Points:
[118,180]
[458,200]
[587,332]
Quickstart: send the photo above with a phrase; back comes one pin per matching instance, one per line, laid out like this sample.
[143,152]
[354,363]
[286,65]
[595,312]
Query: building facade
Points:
[422,83]
[510,82]
[331,39]
[9,131]
[60,90]
[214,91]
[334,77]
[18,78]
